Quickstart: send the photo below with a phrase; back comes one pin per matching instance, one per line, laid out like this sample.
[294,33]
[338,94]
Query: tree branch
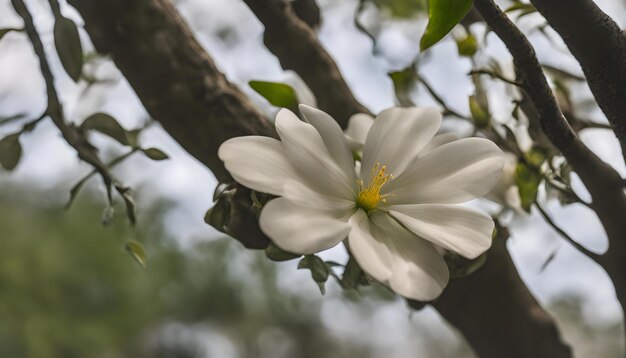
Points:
[599,45]
[602,181]
[181,87]
[297,48]
[70,133]
[496,312]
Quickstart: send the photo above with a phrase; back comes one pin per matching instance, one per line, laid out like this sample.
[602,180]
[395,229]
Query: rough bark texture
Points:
[174,77]
[603,183]
[496,312]
[179,84]
[297,48]
[599,45]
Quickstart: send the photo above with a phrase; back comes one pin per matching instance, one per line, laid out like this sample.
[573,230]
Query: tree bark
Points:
[496,312]
[174,77]
[599,45]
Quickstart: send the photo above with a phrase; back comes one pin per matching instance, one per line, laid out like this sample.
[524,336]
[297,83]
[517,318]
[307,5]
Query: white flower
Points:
[506,192]
[394,213]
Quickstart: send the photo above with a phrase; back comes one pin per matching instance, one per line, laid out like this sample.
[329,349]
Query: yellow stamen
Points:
[369,196]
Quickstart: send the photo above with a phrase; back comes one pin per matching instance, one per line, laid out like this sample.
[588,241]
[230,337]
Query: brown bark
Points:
[599,45]
[297,48]
[496,312]
[181,87]
[174,77]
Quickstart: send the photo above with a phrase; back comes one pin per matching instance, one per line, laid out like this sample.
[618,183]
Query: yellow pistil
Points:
[369,197]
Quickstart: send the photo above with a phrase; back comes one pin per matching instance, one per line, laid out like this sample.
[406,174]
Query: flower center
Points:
[369,196]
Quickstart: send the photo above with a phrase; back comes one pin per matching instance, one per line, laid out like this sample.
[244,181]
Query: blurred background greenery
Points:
[68,289]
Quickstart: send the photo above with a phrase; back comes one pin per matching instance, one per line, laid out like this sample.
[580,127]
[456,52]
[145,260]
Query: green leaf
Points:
[278,94]
[480,115]
[403,83]
[76,189]
[443,15]
[275,253]
[352,275]
[319,270]
[67,43]
[136,251]
[467,46]
[527,180]
[10,151]
[107,125]
[129,202]
[7,30]
[155,154]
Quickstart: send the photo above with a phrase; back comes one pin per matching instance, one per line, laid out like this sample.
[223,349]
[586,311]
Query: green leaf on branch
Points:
[275,253]
[105,124]
[319,270]
[443,16]
[67,43]
[480,114]
[155,154]
[10,151]
[467,46]
[403,83]
[278,94]
[136,251]
[527,180]
[353,275]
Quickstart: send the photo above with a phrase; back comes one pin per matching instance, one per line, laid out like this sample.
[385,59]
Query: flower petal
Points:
[358,127]
[299,229]
[302,195]
[418,270]
[397,136]
[257,162]
[368,250]
[307,153]
[438,141]
[333,137]
[456,228]
[452,173]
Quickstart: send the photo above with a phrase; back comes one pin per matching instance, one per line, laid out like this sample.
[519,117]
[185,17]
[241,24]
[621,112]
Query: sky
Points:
[50,166]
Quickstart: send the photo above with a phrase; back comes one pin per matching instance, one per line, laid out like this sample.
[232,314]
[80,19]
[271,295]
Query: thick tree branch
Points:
[599,45]
[297,48]
[496,312]
[180,86]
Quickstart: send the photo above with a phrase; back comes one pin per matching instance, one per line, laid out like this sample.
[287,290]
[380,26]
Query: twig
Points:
[447,110]
[595,257]
[70,133]
[497,76]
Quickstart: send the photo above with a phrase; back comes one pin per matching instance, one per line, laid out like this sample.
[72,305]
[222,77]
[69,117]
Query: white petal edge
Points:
[462,230]
[299,229]
[333,137]
[397,136]
[307,153]
[257,162]
[455,172]
[418,270]
[358,127]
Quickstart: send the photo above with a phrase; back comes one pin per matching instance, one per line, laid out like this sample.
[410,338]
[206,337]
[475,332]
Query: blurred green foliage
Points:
[68,289]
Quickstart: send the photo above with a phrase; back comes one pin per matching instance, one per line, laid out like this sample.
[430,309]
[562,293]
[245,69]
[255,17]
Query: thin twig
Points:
[497,76]
[592,255]
[69,132]
[437,97]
